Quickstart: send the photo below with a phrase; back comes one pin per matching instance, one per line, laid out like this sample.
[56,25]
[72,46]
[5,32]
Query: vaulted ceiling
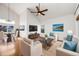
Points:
[54,9]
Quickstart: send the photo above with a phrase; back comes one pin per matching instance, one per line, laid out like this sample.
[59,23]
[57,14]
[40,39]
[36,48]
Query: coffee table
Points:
[46,43]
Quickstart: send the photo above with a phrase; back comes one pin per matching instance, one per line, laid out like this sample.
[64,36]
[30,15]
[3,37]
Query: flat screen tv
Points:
[32,28]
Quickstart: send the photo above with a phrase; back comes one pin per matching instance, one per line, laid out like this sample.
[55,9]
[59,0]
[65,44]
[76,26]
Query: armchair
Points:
[60,51]
[27,47]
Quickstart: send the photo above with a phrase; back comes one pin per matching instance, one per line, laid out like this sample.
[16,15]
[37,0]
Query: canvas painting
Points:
[22,28]
[42,29]
[58,27]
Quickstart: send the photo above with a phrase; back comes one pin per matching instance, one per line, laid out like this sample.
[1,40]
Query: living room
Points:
[39,28]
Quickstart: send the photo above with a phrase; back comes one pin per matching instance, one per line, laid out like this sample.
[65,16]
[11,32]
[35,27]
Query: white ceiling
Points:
[54,9]
[20,7]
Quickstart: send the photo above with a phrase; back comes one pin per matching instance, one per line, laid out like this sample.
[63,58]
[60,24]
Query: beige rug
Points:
[52,50]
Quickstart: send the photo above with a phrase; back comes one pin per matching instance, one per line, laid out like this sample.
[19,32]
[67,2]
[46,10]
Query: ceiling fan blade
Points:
[42,13]
[37,8]
[31,10]
[44,10]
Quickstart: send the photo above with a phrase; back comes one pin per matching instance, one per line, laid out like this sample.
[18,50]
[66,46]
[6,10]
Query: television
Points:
[32,28]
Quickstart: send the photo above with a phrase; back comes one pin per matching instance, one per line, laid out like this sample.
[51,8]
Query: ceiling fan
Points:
[39,11]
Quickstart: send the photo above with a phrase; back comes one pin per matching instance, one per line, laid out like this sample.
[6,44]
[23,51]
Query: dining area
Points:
[7,44]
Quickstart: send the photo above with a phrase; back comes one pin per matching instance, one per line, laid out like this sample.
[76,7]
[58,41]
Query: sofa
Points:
[33,35]
[60,51]
[27,47]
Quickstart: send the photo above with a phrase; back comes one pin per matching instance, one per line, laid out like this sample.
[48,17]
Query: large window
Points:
[8,28]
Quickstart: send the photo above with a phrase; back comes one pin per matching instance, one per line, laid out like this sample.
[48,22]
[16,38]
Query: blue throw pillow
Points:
[69,37]
[70,45]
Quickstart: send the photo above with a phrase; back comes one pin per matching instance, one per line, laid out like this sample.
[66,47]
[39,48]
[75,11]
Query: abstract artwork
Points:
[22,28]
[58,27]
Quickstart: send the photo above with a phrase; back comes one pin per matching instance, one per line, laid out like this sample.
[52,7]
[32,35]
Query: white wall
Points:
[12,15]
[32,20]
[3,12]
[26,19]
[23,21]
[68,21]
[77,22]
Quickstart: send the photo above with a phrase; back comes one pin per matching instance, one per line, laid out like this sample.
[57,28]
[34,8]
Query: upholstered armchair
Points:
[61,51]
[28,47]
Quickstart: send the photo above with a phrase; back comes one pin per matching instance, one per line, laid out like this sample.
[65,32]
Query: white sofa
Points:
[64,52]
[60,51]
[29,48]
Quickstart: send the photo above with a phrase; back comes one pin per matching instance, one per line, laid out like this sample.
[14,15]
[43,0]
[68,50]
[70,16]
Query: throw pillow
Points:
[70,45]
[69,37]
